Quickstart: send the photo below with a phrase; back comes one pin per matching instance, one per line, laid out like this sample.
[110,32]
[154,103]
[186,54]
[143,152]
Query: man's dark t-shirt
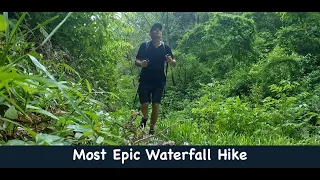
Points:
[154,72]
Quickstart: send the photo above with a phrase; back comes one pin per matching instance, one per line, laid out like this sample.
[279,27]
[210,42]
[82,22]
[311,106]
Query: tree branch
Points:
[159,133]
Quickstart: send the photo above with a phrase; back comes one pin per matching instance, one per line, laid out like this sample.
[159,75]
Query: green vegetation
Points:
[241,78]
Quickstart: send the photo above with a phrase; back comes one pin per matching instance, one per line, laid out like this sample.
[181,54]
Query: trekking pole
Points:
[164,92]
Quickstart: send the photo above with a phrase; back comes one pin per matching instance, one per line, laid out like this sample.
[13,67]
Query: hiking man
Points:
[152,57]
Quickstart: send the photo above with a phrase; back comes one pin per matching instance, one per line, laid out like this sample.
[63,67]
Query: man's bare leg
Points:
[144,110]
[154,115]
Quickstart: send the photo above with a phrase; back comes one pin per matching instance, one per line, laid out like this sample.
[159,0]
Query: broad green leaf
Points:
[32,107]
[10,127]
[99,140]
[39,65]
[15,142]
[41,138]
[3,23]
[80,128]
[42,111]
[11,113]
[78,135]
[15,105]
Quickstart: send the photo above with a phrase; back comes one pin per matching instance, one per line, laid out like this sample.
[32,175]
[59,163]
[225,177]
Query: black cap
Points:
[156,26]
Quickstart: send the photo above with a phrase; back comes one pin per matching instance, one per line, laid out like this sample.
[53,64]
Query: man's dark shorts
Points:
[151,92]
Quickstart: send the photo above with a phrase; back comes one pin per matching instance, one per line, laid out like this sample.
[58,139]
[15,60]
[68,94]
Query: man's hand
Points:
[171,61]
[144,63]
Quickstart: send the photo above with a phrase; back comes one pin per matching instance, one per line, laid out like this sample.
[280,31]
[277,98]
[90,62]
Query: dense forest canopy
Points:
[242,78]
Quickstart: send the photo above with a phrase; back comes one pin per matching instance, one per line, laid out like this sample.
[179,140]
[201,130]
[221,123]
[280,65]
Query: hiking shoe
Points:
[143,122]
[151,131]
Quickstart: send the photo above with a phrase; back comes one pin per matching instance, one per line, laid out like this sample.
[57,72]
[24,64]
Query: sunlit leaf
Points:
[11,113]
[3,23]
[48,138]
[80,128]
[99,140]
[78,135]
[15,142]
[39,65]
[32,107]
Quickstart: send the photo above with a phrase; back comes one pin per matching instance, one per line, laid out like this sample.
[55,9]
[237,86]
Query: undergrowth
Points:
[221,96]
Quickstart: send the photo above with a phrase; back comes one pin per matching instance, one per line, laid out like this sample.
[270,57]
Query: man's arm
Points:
[140,61]
[170,58]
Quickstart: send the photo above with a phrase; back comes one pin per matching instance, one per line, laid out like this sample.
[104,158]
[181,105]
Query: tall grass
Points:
[21,94]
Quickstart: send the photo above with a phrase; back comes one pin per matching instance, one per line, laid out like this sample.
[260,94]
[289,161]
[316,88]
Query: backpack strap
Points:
[164,48]
[165,53]
[147,45]
[167,66]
